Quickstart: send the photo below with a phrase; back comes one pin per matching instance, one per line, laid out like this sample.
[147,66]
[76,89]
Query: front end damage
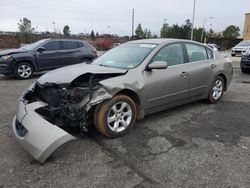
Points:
[47,111]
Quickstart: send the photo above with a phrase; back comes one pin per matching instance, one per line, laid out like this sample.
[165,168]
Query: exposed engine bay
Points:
[70,104]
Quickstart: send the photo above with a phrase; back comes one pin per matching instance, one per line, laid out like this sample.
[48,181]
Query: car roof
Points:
[161,41]
[65,39]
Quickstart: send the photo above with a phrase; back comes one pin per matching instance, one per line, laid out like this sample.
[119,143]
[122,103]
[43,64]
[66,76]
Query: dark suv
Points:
[245,62]
[46,54]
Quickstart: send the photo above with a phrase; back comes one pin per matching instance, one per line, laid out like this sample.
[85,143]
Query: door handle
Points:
[183,74]
[213,66]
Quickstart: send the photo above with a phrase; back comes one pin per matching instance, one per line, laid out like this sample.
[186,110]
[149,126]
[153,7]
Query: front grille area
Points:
[49,95]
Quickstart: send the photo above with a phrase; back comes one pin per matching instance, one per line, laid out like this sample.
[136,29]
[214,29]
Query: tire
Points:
[243,70]
[233,55]
[217,89]
[120,111]
[23,71]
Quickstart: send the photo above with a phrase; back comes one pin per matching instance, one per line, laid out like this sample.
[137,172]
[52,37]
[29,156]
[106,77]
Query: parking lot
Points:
[195,145]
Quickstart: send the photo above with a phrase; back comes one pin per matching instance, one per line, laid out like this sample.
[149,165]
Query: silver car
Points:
[123,85]
[241,48]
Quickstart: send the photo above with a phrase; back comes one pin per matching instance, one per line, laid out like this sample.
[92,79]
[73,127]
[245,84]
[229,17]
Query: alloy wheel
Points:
[217,89]
[119,116]
[24,71]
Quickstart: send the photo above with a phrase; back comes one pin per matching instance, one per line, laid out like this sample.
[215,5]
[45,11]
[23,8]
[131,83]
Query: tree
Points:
[175,31]
[231,32]
[210,33]
[186,29]
[66,31]
[139,34]
[147,33]
[164,31]
[92,35]
[198,33]
[97,35]
[25,29]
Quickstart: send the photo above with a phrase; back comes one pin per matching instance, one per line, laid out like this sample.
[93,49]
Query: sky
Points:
[115,16]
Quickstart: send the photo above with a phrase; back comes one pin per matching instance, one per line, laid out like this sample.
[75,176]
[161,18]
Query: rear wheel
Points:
[216,92]
[23,71]
[115,117]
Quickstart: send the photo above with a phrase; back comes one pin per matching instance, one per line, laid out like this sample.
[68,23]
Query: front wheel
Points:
[115,117]
[216,92]
[243,70]
[23,71]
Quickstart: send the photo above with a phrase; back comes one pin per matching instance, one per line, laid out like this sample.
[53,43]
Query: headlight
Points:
[6,57]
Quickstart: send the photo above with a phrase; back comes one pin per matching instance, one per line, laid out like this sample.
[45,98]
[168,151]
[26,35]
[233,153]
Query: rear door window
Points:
[67,45]
[52,46]
[210,53]
[196,52]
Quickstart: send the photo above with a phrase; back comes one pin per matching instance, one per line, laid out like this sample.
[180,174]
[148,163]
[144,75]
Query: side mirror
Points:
[40,49]
[158,65]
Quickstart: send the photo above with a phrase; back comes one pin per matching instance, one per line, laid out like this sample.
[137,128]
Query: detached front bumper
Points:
[35,134]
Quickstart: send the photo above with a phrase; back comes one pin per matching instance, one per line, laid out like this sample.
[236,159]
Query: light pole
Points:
[54,26]
[109,29]
[133,23]
[192,32]
[204,23]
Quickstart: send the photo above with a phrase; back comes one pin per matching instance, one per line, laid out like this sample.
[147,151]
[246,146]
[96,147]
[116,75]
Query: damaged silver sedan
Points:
[125,84]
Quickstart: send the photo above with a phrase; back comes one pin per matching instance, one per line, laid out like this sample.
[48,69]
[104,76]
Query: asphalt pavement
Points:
[195,145]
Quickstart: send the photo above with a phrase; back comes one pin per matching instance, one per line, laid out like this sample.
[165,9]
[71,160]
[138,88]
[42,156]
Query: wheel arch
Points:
[224,79]
[134,96]
[24,61]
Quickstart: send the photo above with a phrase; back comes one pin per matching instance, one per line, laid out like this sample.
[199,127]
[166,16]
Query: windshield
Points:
[244,43]
[126,56]
[33,45]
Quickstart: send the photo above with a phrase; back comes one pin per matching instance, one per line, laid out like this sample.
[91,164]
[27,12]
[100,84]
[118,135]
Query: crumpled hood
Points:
[11,51]
[68,74]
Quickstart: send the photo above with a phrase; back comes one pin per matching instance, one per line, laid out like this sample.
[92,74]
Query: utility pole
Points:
[192,32]
[133,22]
[54,26]
[109,29]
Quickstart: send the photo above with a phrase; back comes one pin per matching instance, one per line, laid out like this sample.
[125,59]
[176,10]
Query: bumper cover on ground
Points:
[42,137]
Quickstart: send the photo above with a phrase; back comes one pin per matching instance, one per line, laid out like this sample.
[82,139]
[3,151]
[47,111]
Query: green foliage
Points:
[97,35]
[92,35]
[186,29]
[25,29]
[210,33]
[231,32]
[164,33]
[198,33]
[147,33]
[139,34]
[142,34]
[176,31]
[66,31]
